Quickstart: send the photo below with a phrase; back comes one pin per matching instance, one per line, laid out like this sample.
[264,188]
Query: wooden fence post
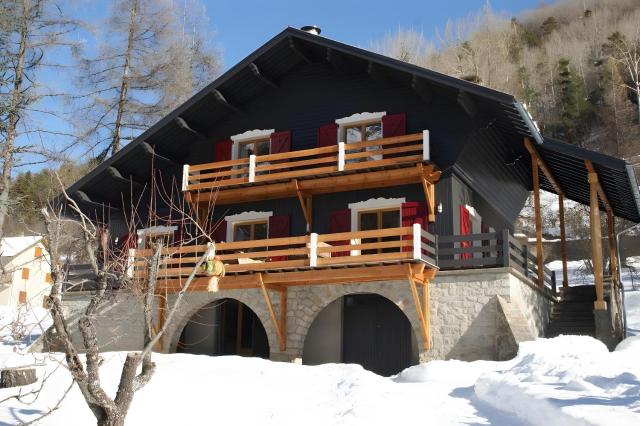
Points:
[506,248]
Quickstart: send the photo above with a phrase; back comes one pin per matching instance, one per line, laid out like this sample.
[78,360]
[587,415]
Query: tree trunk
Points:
[638,100]
[124,84]
[13,118]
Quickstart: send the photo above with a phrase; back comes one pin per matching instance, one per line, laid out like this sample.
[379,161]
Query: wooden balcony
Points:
[385,162]
[343,257]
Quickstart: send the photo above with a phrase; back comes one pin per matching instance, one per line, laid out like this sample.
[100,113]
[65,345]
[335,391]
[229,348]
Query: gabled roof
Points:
[167,140]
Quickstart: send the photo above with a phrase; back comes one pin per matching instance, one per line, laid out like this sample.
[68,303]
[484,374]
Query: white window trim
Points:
[251,216]
[249,135]
[154,230]
[358,118]
[372,204]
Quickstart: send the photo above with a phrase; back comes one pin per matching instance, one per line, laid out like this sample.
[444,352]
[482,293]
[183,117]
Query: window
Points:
[254,147]
[378,219]
[25,273]
[22,297]
[47,278]
[38,252]
[246,231]
[363,132]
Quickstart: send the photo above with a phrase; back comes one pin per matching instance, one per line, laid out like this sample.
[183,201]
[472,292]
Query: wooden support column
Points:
[538,218]
[305,203]
[613,252]
[596,240]
[563,242]
[283,315]
[429,192]
[274,319]
[426,313]
[424,326]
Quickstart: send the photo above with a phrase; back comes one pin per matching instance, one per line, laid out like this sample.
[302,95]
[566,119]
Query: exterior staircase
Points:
[574,313]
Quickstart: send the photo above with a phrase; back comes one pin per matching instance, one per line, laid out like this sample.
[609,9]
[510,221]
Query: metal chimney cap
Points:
[311,29]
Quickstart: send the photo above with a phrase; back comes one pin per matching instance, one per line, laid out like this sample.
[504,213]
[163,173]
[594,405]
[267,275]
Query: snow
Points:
[11,246]
[29,322]
[632,303]
[567,380]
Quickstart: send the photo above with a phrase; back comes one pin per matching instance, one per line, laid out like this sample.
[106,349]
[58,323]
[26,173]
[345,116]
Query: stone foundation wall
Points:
[465,321]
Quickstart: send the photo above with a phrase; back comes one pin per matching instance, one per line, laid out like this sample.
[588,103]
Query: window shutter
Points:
[222,150]
[340,221]
[281,142]
[278,228]
[394,125]
[219,230]
[413,212]
[465,229]
[328,135]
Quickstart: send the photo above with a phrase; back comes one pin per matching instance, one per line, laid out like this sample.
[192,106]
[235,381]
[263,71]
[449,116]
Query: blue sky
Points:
[241,26]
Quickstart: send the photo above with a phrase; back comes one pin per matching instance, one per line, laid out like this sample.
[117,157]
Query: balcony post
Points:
[417,241]
[313,249]
[185,177]
[425,146]
[596,242]
[252,168]
[341,152]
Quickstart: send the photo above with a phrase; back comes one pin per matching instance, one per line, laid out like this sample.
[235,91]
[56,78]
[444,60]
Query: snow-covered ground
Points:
[20,327]
[569,380]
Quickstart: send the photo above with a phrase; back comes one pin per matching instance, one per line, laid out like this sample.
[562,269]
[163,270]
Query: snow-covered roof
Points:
[12,246]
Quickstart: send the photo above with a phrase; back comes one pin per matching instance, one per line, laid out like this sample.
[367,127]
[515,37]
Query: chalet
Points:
[364,210]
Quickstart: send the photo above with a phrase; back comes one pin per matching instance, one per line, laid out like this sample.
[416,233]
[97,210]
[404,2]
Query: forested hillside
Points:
[575,64]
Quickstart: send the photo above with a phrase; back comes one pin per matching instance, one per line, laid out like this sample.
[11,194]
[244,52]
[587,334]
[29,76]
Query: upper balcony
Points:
[391,161]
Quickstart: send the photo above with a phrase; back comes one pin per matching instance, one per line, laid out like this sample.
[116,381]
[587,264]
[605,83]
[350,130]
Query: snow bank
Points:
[569,380]
[632,303]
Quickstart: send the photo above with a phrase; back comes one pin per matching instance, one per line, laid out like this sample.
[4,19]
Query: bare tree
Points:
[110,268]
[626,52]
[31,33]
[151,57]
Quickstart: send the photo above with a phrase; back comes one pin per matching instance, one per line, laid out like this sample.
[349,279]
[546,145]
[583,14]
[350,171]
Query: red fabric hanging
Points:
[328,135]
[219,230]
[278,228]
[394,125]
[413,212]
[222,150]
[465,229]
[340,221]
[281,142]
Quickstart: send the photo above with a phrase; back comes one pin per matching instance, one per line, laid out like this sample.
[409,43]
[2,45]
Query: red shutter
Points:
[278,228]
[465,229]
[222,150]
[394,125]
[128,241]
[281,142]
[340,221]
[219,231]
[413,212]
[328,135]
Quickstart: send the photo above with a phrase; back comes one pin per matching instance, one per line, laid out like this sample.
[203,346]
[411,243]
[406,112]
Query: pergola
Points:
[603,182]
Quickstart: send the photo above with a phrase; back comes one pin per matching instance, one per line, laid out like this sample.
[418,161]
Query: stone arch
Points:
[310,301]
[192,302]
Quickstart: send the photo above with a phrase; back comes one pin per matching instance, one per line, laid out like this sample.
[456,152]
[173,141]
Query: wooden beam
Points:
[613,254]
[223,101]
[563,242]
[182,123]
[303,203]
[272,313]
[421,318]
[426,307]
[283,316]
[116,175]
[543,166]
[298,52]
[596,240]
[603,197]
[538,218]
[149,150]
[260,76]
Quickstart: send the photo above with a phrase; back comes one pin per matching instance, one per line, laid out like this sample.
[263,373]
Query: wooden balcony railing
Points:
[308,163]
[293,253]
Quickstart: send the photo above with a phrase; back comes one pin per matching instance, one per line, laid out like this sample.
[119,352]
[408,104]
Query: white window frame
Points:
[248,136]
[372,204]
[252,216]
[359,119]
[154,230]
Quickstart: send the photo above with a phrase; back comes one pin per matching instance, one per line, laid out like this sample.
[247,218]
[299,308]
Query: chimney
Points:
[311,29]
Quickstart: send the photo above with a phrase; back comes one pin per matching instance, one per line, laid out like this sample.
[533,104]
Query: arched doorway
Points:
[224,327]
[365,329]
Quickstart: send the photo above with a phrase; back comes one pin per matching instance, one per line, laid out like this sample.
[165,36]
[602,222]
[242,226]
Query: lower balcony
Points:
[362,256]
